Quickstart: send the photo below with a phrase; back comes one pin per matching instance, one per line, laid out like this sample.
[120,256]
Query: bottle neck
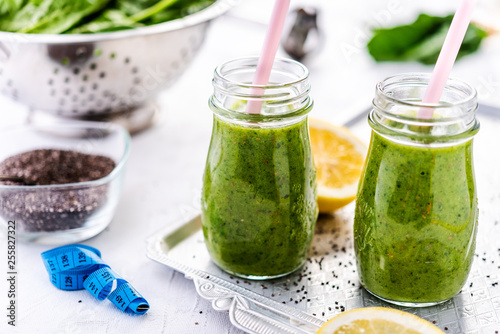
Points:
[398,100]
[285,100]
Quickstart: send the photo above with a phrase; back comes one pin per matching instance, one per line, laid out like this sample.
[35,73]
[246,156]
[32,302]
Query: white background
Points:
[163,178]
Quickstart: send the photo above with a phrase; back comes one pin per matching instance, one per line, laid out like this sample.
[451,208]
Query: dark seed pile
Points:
[46,210]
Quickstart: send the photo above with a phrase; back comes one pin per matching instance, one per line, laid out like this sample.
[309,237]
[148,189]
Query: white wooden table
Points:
[163,178]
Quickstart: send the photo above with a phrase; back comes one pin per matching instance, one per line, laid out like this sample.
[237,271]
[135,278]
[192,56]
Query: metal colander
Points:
[96,74]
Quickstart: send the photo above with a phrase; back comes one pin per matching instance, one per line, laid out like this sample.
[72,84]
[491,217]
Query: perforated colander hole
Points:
[74,98]
[83,103]
[82,89]
[51,82]
[9,83]
[85,77]
[66,80]
[112,55]
[105,93]
[56,70]
[98,103]
[67,91]
[102,75]
[52,92]
[127,60]
[135,70]
[76,71]
[81,52]
[91,97]
[113,97]
[137,81]
[94,86]
[62,102]
[93,66]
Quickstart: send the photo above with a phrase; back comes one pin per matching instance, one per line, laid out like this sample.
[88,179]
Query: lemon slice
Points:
[377,320]
[339,156]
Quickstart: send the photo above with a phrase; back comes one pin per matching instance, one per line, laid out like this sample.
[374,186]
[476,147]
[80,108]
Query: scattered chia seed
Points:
[48,210]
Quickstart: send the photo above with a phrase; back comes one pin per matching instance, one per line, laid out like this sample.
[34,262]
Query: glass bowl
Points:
[63,213]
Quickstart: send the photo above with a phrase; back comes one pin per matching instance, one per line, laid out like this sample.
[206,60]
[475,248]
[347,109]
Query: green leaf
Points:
[90,16]
[109,20]
[51,16]
[420,41]
[10,6]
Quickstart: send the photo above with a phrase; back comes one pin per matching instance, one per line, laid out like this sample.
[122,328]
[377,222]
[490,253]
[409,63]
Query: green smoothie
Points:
[415,221]
[259,198]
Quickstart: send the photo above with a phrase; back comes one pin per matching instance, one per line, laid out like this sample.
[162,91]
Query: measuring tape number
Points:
[77,267]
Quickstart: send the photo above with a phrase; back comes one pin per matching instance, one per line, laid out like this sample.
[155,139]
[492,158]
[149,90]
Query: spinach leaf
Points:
[109,20]
[157,7]
[51,16]
[420,41]
[138,13]
[128,15]
[10,6]
[178,10]
[90,16]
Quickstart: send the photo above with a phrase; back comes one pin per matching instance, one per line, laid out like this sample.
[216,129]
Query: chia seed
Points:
[46,209]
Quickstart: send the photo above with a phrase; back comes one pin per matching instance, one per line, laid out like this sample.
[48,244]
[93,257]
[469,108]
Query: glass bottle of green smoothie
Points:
[416,209]
[259,187]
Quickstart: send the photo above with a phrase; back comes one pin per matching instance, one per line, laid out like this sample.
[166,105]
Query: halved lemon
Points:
[339,156]
[377,320]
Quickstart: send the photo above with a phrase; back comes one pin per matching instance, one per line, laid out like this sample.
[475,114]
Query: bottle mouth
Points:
[240,72]
[285,96]
[398,100]
[406,91]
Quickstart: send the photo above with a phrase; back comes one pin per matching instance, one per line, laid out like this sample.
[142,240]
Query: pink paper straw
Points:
[268,52]
[447,56]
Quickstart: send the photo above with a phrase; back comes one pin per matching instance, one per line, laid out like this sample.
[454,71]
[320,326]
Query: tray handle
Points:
[250,315]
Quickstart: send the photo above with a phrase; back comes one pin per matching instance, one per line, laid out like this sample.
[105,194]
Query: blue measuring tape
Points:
[76,267]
